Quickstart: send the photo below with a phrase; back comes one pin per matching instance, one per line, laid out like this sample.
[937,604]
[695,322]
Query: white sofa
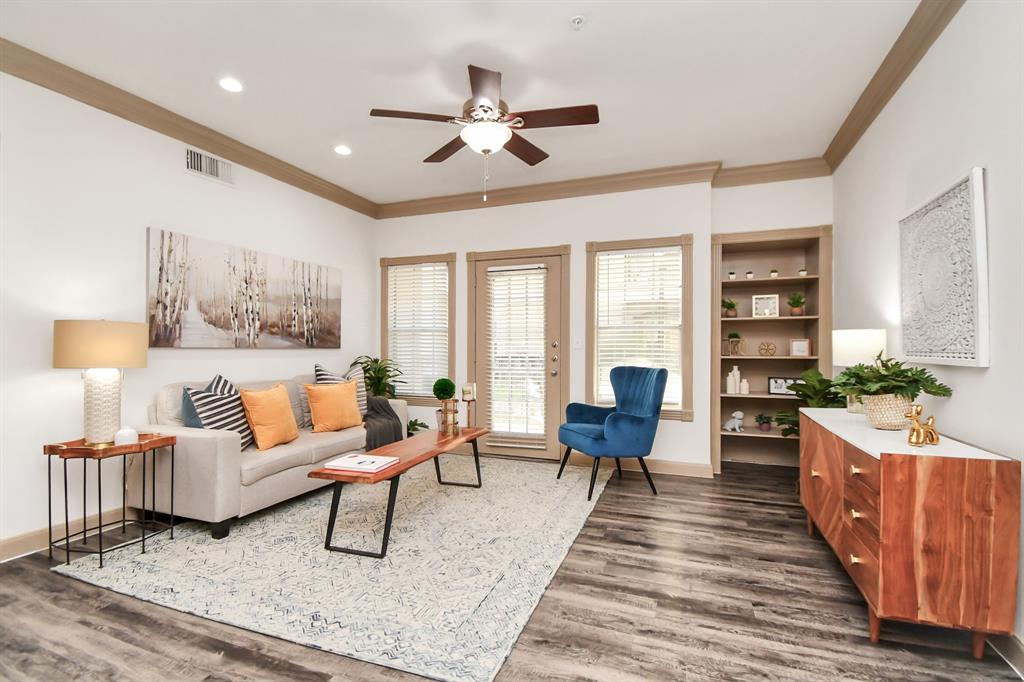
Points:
[214,481]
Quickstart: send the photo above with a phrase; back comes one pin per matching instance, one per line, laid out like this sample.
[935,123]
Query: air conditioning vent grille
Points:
[208,166]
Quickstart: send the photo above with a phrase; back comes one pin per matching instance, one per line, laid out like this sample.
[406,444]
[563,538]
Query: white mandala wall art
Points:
[944,277]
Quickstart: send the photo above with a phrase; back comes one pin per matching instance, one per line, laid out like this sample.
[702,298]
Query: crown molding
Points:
[926,24]
[33,67]
[781,171]
[562,189]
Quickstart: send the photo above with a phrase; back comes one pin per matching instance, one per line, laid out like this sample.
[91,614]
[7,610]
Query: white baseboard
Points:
[35,540]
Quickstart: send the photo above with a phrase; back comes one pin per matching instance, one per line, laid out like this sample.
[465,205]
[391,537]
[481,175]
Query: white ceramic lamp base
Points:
[102,404]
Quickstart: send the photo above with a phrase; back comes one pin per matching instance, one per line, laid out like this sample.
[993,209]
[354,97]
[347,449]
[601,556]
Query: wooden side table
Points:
[79,449]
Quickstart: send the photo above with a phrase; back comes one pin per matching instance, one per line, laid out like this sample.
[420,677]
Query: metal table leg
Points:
[99,507]
[67,523]
[85,516]
[143,522]
[172,492]
[49,505]
[392,495]
[476,461]
[124,486]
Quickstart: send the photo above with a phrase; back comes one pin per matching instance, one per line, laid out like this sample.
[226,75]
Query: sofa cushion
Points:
[300,381]
[258,464]
[354,373]
[166,406]
[222,412]
[189,416]
[293,393]
[270,416]
[334,443]
[333,406]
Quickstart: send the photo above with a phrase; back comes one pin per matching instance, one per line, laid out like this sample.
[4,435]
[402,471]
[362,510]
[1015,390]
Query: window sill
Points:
[677,415]
[420,400]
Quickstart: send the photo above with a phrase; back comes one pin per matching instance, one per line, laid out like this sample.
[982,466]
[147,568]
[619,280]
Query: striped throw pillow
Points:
[220,407]
[354,373]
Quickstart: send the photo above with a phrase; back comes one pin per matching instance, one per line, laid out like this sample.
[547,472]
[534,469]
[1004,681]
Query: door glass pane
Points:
[516,346]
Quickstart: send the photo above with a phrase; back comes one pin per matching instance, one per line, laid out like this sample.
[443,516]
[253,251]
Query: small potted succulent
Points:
[735,342]
[750,274]
[728,307]
[773,273]
[448,415]
[796,301]
[732,275]
[887,389]
[764,422]
[415,425]
[802,272]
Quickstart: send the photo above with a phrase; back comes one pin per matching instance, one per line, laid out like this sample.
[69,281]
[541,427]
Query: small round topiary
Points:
[444,389]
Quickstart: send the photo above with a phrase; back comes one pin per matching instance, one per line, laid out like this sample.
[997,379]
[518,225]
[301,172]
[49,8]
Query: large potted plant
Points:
[887,388]
[846,383]
[380,376]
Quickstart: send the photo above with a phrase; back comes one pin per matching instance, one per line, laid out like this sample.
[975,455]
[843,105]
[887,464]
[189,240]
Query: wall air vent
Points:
[208,166]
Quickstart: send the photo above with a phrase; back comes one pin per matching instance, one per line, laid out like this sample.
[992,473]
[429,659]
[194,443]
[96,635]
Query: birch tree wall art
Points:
[203,294]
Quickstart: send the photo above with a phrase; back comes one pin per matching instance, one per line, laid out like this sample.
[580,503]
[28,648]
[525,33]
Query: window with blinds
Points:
[638,298]
[516,345]
[417,324]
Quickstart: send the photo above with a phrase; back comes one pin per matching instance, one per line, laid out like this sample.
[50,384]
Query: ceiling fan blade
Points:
[419,116]
[445,151]
[563,116]
[486,87]
[525,150]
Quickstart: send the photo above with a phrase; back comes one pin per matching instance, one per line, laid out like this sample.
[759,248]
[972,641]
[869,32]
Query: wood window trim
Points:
[385,263]
[563,251]
[686,362]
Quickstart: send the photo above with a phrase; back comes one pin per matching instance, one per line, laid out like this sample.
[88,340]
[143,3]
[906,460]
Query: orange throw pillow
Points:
[333,406]
[270,416]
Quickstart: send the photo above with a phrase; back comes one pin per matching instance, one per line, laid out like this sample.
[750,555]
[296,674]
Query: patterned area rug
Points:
[465,567]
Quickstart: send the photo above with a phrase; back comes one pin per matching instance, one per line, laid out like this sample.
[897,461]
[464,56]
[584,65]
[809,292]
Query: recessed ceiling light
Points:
[343,149]
[231,84]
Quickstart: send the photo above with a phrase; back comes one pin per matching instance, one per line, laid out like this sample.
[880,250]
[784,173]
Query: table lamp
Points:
[102,349]
[854,346]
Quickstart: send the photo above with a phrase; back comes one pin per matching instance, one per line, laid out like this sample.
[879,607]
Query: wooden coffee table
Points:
[410,452]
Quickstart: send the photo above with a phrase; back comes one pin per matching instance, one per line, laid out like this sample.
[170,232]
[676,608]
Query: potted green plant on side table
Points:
[887,388]
[448,415]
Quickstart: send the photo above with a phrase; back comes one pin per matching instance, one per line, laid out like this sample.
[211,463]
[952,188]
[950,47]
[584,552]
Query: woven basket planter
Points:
[887,412]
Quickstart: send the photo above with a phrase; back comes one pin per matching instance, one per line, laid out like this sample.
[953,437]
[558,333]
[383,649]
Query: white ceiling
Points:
[742,81]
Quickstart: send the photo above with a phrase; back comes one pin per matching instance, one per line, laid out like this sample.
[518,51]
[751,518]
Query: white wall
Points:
[962,106]
[696,209]
[78,189]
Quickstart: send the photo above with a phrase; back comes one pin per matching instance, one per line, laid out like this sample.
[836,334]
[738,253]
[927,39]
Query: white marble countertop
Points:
[855,430]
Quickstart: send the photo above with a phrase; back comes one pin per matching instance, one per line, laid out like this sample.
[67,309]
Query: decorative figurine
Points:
[735,424]
[921,435]
[744,387]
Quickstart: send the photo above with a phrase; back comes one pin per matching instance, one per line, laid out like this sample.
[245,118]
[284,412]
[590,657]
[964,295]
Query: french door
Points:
[518,354]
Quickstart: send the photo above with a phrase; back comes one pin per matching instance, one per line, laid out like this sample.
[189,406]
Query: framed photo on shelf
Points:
[765,305]
[780,385]
[800,348]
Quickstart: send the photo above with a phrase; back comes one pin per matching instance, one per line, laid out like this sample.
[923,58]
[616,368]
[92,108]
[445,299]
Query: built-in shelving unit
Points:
[789,251]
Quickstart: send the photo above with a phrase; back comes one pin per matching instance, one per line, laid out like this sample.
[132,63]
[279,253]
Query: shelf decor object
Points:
[944,297]
[102,349]
[800,347]
[764,305]
[766,330]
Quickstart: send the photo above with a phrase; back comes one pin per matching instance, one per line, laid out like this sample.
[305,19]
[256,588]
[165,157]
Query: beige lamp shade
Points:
[854,346]
[84,344]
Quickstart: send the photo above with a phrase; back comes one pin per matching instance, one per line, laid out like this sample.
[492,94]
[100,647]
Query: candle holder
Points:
[450,416]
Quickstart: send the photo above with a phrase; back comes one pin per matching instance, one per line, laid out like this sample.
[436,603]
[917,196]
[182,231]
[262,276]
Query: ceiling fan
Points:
[488,125]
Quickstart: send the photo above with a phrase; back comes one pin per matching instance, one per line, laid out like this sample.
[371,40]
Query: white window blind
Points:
[516,344]
[418,324]
[639,313]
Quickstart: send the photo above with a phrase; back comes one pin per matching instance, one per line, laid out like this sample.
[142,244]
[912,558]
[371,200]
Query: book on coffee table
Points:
[361,462]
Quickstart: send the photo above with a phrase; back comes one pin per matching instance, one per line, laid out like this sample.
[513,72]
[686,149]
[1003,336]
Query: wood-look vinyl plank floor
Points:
[710,580]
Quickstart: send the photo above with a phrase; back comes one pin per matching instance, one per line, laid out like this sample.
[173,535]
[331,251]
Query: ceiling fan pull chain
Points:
[486,157]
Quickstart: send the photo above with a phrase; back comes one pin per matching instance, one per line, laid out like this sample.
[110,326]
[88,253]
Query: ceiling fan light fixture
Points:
[486,137]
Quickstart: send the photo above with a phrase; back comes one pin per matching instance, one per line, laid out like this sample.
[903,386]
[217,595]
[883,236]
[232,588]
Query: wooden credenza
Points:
[928,535]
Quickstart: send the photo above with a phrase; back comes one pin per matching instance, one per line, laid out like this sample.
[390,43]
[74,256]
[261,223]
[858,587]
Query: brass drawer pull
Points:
[854,514]
[854,559]
[815,474]
[855,470]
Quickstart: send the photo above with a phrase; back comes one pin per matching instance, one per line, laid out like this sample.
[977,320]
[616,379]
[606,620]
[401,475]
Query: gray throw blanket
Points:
[382,424]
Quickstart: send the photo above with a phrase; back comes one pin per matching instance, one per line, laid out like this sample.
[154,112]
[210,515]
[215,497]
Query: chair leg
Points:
[593,477]
[618,465]
[565,461]
[647,473]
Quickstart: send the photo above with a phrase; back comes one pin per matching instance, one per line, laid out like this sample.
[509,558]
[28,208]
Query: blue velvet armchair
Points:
[625,430]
